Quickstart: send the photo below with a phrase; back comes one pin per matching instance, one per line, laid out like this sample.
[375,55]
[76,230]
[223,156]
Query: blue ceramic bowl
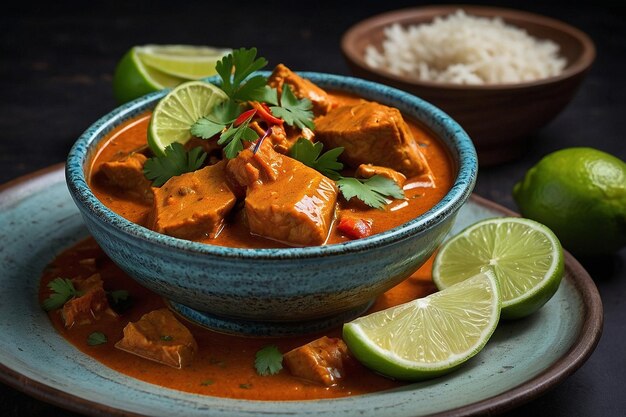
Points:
[275,291]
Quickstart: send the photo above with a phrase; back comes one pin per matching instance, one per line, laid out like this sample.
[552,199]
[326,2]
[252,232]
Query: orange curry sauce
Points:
[224,364]
[421,193]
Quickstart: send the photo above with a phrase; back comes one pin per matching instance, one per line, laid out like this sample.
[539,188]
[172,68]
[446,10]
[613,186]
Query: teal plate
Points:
[38,219]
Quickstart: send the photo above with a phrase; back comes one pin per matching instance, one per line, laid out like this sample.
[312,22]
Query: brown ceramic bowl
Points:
[498,117]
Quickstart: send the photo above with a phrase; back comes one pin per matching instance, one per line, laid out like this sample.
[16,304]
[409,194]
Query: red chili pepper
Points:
[266,113]
[248,114]
[354,228]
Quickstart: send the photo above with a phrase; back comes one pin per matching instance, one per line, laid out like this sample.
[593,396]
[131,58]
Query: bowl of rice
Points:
[501,73]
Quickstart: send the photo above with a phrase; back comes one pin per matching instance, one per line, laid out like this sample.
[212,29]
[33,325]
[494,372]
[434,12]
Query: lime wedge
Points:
[182,61]
[525,256]
[174,115]
[144,69]
[429,336]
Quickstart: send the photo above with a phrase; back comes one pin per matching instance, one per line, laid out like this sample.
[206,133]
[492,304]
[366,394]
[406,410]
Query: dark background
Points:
[56,65]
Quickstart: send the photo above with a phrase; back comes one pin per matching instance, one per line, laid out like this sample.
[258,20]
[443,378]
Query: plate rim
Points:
[582,348]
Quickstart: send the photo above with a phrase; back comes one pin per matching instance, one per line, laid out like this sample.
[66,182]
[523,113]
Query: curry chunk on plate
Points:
[160,337]
[193,204]
[322,361]
[90,305]
[285,200]
[372,133]
[302,88]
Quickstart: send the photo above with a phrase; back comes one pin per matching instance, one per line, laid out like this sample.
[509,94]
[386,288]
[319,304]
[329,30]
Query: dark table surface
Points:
[56,64]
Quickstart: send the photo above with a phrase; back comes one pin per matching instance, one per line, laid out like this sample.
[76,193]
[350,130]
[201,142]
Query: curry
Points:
[250,175]
[224,364]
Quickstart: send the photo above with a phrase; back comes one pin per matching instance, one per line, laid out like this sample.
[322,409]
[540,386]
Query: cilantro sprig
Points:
[176,161]
[310,154]
[295,112]
[374,191]
[235,68]
[234,136]
[268,361]
[62,291]
[235,71]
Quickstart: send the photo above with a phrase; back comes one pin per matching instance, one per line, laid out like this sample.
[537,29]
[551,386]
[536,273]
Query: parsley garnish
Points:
[176,161]
[373,191]
[62,290]
[235,67]
[97,338]
[308,153]
[293,111]
[167,338]
[268,361]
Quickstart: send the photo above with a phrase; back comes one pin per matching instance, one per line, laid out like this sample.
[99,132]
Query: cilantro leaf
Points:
[373,191]
[268,361]
[233,137]
[205,128]
[270,96]
[308,153]
[62,291]
[293,111]
[97,338]
[176,161]
[216,121]
[235,67]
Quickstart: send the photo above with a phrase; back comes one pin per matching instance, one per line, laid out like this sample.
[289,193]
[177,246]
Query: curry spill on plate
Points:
[271,162]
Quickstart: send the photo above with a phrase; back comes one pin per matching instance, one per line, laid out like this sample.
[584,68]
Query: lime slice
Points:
[429,336]
[525,255]
[174,115]
[182,61]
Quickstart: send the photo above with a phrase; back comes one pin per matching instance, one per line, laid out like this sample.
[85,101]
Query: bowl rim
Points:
[80,156]
[580,65]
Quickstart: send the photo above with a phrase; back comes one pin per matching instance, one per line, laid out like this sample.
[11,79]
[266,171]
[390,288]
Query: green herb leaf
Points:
[293,111]
[205,128]
[207,382]
[233,137]
[215,122]
[62,291]
[235,67]
[270,96]
[373,191]
[97,338]
[268,361]
[167,338]
[176,161]
[308,153]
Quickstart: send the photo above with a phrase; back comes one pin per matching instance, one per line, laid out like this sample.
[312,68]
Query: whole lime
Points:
[579,193]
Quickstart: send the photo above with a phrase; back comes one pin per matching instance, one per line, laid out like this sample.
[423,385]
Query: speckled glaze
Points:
[251,290]
[522,360]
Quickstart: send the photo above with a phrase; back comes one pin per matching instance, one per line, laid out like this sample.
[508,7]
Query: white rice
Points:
[465,49]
